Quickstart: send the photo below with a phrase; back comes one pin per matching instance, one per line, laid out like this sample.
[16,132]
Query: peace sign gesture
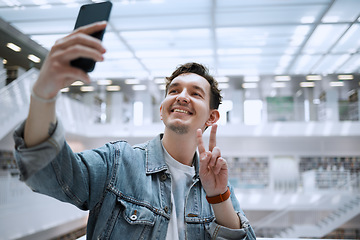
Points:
[213,168]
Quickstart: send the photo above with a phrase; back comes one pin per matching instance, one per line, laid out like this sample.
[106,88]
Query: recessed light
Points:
[249,85]
[34,58]
[282,78]
[336,84]
[139,87]
[87,88]
[222,79]
[346,77]
[278,84]
[313,77]
[104,82]
[307,84]
[132,81]
[113,88]
[13,47]
[251,78]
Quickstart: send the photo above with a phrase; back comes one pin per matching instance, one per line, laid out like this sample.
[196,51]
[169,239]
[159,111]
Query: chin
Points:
[179,129]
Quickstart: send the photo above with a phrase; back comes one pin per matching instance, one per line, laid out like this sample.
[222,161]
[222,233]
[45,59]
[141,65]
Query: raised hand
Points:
[213,168]
[56,72]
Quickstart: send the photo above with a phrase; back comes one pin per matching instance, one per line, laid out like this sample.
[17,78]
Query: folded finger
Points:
[221,164]
[215,154]
[77,51]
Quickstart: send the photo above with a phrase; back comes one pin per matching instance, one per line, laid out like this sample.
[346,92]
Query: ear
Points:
[161,112]
[213,118]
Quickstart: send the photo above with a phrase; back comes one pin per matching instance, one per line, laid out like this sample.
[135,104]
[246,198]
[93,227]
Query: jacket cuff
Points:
[30,160]
[220,232]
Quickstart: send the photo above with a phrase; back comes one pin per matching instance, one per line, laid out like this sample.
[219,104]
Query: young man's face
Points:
[186,106]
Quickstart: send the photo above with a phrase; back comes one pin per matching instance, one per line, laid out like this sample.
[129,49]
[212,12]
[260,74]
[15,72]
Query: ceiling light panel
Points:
[248,65]
[345,10]
[265,13]
[331,63]
[352,65]
[169,40]
[304,64]
[45,27]
[33,12]
[47,41]
[350,41]
[119,68]
[324,37]
[258,36]
[149,20]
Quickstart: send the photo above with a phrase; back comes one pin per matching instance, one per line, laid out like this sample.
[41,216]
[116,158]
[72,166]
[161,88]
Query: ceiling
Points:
[149,38]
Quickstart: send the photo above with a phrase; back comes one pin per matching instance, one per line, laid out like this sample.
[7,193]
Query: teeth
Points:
[181,111]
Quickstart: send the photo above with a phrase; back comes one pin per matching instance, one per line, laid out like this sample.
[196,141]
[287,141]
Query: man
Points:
[161,189]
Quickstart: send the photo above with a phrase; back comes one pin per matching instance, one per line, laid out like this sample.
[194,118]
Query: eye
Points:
[172,91]
[196,94]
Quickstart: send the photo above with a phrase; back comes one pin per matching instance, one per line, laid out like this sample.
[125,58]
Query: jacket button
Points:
[133,217]
[163,177]
[166,209]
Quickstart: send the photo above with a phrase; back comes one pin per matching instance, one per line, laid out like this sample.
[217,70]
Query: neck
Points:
[181,147]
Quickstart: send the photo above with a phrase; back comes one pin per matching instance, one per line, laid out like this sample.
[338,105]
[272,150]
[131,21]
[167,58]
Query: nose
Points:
[183,97]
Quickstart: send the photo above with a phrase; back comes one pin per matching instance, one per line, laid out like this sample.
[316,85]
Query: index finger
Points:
[91,28]
[200,141]
[212,140]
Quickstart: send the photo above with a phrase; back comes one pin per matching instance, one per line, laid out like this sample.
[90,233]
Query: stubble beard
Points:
[179,129]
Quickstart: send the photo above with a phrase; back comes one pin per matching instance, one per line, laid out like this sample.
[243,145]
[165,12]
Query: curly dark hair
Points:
[201,70]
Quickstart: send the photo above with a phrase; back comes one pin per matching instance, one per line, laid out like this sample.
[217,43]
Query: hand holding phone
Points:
[88,14]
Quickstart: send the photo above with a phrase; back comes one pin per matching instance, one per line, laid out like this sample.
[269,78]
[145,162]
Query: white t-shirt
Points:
[181,181]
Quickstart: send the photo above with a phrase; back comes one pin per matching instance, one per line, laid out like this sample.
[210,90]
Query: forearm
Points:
[225,214]
[57,73]
[40,122]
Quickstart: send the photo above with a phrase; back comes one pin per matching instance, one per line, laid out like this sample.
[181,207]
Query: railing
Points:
[83,116]
[346,111]
[14,101]
[3,77]
[320,218]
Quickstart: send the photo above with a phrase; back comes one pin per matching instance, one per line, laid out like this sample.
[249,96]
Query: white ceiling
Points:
[232,37]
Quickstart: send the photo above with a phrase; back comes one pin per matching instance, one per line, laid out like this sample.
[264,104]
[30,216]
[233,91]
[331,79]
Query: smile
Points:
[181,111]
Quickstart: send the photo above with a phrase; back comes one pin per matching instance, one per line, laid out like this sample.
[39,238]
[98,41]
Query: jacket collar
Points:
[155,161]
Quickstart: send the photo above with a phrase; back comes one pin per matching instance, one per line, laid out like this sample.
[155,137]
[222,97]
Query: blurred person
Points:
[170,187]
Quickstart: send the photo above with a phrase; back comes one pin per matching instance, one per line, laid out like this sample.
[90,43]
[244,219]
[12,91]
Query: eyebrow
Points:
[193,86]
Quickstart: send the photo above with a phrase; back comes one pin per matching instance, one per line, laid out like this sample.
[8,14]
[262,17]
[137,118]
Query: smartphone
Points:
[90,13]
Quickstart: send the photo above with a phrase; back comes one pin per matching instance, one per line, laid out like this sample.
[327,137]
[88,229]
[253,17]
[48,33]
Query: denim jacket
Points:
[126,188]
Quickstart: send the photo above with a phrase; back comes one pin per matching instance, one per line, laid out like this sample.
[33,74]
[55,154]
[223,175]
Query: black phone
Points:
[90,13]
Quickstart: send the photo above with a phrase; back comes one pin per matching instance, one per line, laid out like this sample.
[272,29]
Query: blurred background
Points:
[290,128]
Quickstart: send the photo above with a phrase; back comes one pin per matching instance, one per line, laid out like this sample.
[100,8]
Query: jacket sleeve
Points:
[53,169]
[245,232]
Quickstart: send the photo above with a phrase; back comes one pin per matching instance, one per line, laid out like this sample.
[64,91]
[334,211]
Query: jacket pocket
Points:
[136,214]
[133,221]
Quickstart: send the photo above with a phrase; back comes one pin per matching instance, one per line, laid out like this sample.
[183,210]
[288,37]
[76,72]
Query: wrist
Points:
[44,100]
[219,198]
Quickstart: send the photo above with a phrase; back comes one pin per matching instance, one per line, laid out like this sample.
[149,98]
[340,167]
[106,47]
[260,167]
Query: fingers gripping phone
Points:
[88,14]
